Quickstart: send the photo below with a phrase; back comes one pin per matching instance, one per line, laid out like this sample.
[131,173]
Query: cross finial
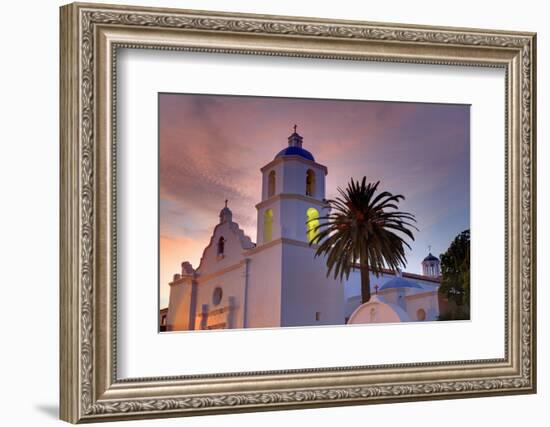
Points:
[376,287]
[295,127]
[430,248]
[226,202]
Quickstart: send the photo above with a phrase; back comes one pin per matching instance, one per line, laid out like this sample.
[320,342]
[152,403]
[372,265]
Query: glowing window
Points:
[310,183]
[312,224]
[271,184]
[268,225]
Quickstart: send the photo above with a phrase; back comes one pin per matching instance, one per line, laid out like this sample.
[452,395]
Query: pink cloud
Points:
[212,147]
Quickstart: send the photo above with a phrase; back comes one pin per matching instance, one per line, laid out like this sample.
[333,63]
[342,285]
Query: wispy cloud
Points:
[212,147]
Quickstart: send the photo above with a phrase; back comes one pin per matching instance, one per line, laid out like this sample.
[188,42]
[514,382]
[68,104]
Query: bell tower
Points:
[431,266]
[285,274]
[293,193]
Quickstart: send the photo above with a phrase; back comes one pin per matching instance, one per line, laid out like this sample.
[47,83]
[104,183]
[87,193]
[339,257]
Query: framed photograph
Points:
[267,212]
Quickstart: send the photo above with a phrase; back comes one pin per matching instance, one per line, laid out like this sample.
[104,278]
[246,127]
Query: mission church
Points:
[277,281]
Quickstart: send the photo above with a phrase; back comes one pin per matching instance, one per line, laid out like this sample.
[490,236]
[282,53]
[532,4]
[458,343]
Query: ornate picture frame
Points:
[90,37]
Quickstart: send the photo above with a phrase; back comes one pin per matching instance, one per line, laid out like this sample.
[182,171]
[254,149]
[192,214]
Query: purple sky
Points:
[212,148]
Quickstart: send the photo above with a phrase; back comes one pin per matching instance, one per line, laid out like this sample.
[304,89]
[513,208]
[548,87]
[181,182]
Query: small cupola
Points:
[431,266]
[295,139]
[294,148]
[225,214]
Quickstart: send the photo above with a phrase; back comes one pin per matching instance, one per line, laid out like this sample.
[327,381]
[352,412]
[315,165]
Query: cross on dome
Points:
[295,140]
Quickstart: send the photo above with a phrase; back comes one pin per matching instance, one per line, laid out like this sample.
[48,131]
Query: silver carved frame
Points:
[90,37]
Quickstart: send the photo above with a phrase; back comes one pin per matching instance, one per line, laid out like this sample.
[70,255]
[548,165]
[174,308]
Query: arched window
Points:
[421,314]
[221,246]
[268,225]
[310,183]
[271,184]
[217,296]
[312,224]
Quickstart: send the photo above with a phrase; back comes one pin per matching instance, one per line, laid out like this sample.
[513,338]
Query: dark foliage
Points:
[365,230]
[455,278]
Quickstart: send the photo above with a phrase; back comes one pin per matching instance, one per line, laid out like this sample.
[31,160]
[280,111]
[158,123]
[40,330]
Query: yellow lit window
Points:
[312,224]
[268,225]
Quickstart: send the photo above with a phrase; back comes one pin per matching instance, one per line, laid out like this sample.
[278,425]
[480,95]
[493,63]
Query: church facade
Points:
[277,281]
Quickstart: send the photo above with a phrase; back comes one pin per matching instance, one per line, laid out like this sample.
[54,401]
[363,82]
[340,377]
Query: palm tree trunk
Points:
[365,281]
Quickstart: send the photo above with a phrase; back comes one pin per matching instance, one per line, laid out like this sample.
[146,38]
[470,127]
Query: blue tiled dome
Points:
[430,257]
[400,282]
[295,147]
[295,151]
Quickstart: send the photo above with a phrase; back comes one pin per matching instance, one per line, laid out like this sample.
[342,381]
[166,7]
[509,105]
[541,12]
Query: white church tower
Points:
[293,200]
[293,191]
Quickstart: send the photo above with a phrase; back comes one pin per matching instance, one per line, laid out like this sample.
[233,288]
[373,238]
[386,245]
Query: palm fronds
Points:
[364,229]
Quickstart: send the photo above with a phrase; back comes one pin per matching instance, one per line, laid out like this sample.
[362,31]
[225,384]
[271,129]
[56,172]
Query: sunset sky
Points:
[212,148]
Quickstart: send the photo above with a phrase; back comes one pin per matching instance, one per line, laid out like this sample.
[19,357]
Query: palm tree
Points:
[363,229]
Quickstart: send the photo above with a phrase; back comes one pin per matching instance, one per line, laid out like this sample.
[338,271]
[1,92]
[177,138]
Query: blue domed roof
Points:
[295,151]
[430,257]
[295,147]
[400,282]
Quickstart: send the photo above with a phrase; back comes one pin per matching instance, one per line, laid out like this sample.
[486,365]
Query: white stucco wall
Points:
[352,290]
[294,176]
[396,296]
[427,301]
[289,202]
[180,312]
[211,262]
[275,206]
[232,285]
[289,216]
[226,271]
[276,166]
[294,213]
[306,290]
[263,294]
[290,176]
[378,311]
